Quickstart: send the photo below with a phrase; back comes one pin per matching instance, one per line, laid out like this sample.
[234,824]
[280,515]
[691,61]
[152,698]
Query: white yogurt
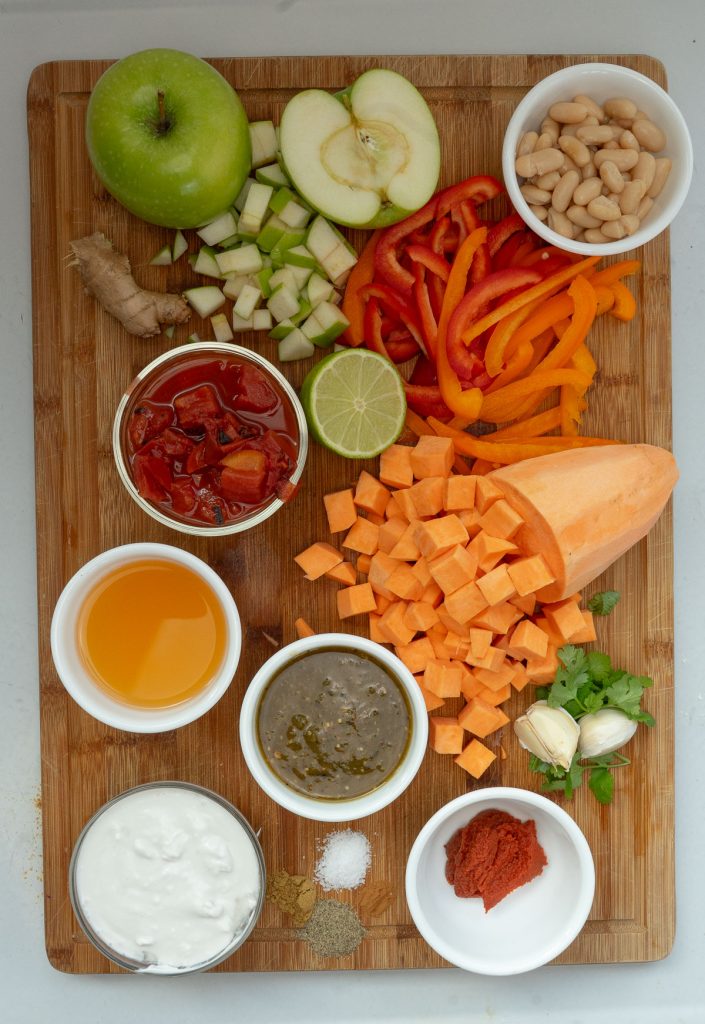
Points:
[167,876]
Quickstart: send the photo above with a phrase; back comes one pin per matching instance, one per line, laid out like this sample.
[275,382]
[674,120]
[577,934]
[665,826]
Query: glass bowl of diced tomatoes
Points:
[210,439]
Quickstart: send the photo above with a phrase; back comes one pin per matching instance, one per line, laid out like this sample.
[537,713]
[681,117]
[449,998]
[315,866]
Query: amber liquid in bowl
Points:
[152,634]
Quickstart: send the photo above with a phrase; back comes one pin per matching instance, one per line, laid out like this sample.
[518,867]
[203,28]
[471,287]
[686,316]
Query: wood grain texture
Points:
[83,360]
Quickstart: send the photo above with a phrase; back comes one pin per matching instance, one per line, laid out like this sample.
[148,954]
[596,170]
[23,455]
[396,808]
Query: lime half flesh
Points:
[354,403]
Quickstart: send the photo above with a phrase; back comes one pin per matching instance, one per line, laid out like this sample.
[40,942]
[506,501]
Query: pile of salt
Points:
[345,858]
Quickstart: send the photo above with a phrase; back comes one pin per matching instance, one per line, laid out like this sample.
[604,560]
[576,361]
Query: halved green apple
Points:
[366,157]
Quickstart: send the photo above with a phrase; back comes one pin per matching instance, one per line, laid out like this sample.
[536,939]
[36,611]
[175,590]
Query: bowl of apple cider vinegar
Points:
[146,637]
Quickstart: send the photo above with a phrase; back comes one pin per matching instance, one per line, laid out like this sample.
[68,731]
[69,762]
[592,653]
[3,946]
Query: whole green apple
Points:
[366,157]
[168,137]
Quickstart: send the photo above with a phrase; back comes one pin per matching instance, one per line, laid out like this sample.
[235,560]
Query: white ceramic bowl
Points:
[141,966]
[600,82]
[333,810]
[140,389]
[76,678]
[531,925]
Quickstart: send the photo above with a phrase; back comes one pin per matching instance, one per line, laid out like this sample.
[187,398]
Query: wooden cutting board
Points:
[83,360]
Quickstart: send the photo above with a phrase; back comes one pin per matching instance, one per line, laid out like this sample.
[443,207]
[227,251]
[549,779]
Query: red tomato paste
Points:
[493,855]
[211,438]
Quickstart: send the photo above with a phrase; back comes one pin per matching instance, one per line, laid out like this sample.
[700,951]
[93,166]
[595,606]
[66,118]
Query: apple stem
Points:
[163,125]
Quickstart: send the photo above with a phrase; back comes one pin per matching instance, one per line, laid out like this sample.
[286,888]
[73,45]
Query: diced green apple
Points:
[221,327]
[246,302]
[261,320]
[283,303]
[243,193]
[318,290]
[325,324]
[295,215]
[255,208]
[263,278]
[245,260]
[295,346]
[194,338]
[339,263]
[205,262]
[219,229]
[281,329]
[367,157]
[271,233]
[300,275]
[239,324]
[234,285]
[263,139]
[169,331]
[179,247]
[272,175]
[163,258]
[204,300]
[283,276]
[299,256]
[305,309]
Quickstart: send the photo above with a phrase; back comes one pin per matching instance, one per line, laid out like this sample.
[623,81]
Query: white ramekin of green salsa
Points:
[333,727]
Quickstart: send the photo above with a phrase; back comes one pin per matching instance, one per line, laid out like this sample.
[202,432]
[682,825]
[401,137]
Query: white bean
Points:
[563,192]
[611,176]
[575,149]
[569,113]
[663,169]
[534,195]
[623,159]
[644,207]
[527,143]
[579,215]
[559,223]
[620,107]
[604,208]
[595,135]
[587,190]
[595,236]
[591,106]
[649,135]
[544,141]
[540,212]
[631,196]
[614,229]
[539,163]
[551,127]
[548,181]
[645,169]
[627,140]
[631,223]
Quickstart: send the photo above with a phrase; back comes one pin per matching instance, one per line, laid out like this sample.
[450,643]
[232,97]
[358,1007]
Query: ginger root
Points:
[107,276]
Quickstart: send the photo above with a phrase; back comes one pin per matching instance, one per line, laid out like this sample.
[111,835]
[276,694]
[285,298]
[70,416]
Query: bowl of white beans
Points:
[597,159]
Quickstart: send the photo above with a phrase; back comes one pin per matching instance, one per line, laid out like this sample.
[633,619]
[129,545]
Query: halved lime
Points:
[354,403]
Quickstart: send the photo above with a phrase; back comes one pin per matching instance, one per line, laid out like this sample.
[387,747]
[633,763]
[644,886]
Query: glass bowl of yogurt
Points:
[167,878]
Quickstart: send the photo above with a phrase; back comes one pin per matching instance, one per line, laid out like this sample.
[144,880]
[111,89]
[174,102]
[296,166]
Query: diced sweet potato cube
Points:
[443,678]
[406,548]
[431,701]
[453,569]
[395,466]
[406,504]
[459,493]
[427,496]
[432,594]
[520,677]
[566,618]
[530,574]
[470,518]
[372,517]
[375,632]
[421,616]
[344,573]
[499,618]
[496,586]
[470,686]
[492,659]
[390,533]
[440,535]
[496,697]
[303,629]
[456,645]
[355,600]
[415,655]
[495,680]
[438,643]
[445,735]
[432,456]
[500,520]
[587,634]
[554,637]
[528,641]
[421,571]
[475,759]
[481,718]
[394,509]
[480,640]
[363,564]
[340,510]
[502,643]
[486,493]
[317,559]
[465,603]
[543,670]
[404,584]
[391,624]
[380,569]
[383,602]
[490,550]
[452,624]
[370,494]
[362,537]
[525,603]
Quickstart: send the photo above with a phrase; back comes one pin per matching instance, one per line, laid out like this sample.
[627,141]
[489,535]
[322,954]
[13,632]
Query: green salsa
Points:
[334,724]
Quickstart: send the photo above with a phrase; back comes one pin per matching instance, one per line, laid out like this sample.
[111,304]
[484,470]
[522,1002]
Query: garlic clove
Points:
[549,733]
[604,731]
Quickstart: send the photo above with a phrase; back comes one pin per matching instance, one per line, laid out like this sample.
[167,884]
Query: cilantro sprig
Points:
[604,602]
[586,683]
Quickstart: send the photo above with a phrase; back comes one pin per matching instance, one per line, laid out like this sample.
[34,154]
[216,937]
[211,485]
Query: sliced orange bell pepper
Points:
[615,272]
[585,308]
[501,406]
[353,306]
[515,449]
[533,427]
[497,351]
[624,307]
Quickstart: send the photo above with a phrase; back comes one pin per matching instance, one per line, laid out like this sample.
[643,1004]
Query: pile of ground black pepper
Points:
[333,929]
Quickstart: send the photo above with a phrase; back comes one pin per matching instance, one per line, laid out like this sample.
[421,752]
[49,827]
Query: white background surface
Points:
[33,31]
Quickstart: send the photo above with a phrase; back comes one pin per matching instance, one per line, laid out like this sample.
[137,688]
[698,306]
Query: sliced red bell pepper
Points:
[502,231]
[481,265]
[387,265]
[424,372]
[426,400]
[353,306]
[478,189]
[425,308]
[433,261]
[397,307]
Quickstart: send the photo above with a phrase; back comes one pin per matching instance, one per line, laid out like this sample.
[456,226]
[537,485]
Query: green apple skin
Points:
[185,174]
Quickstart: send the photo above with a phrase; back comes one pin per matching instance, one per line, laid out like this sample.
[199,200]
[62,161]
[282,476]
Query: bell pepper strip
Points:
[400,351]
[373,328]
[429,327]
[549,252]
[535,426]
[424,372]
[473,306]
[481,265]
[463,403]
[615,272]
[397,308]
[570,412]
[500,407]
[605,299]
[544,288]
[416,424]
[585,300]
[433,261]
[502,336]
[502,231]
[457,219]
[512,450]
[624,307]
[481,467]
[515,368]
[386,260]
[506,253]
[426,400]
[478,189]
[352,305]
